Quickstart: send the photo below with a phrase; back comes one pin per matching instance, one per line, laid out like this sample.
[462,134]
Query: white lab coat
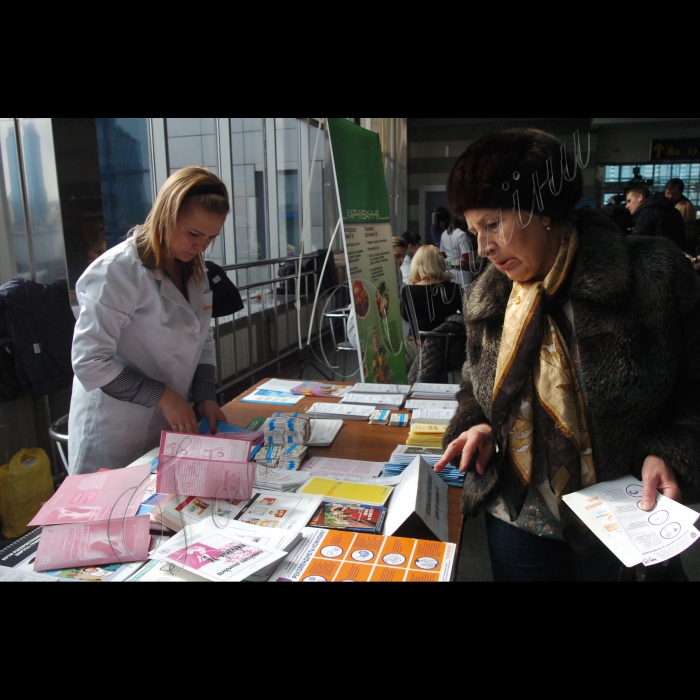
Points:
[131,316]
[455,245]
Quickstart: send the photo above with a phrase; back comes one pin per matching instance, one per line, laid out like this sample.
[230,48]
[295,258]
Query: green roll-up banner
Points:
[372,276]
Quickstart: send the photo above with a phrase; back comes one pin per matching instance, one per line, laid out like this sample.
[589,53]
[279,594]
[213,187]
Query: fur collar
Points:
[602,271]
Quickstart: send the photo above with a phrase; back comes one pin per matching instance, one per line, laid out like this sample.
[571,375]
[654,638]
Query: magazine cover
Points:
[329,391]
[354,517]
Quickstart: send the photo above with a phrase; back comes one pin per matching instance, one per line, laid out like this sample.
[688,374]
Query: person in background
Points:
[413,241]
[430,297]
[582,361]
[440,222]
[692,226]
[674,191]
[459,251]
[400,251]
[619,213]
[143,346]
[655,215]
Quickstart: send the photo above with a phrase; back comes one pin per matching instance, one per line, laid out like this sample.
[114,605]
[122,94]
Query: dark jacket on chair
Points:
[40,323]
[431,365]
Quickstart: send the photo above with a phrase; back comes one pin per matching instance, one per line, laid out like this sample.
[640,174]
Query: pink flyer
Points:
[91,497]
[93,544]
[205,466]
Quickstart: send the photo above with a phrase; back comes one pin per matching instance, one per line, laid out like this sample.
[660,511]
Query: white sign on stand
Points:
[419,504]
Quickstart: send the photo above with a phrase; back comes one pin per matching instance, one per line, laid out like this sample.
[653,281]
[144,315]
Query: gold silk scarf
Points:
[537,396]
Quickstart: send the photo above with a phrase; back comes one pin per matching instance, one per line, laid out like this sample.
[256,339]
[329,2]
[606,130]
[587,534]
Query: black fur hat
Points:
[508,169]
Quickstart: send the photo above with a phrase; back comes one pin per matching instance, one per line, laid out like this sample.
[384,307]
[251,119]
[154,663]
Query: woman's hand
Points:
[178,412]
[210,409]
[658,477]
[476,440]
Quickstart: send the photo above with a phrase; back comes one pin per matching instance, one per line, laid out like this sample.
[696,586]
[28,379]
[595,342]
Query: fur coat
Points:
[636,305]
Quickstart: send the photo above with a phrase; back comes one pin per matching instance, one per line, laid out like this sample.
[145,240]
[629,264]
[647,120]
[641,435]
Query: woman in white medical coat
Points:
[143,347]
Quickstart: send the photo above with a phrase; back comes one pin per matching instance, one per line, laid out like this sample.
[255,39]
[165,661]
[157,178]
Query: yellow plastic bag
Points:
[25,484]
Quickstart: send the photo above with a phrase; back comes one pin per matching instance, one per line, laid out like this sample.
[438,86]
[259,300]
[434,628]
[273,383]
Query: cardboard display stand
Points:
[419,505]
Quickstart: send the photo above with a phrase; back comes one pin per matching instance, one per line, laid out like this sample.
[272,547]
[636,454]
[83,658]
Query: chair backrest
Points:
[442,351]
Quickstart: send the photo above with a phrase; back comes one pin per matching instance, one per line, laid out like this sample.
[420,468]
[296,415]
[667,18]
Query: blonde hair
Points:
[687,209]
[428,262]
[154,236]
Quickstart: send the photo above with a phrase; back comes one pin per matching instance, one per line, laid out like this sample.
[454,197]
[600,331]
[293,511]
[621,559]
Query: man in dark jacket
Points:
[674,191]
[655,215]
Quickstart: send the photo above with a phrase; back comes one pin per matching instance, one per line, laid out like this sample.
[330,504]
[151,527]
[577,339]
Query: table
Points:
[357,440]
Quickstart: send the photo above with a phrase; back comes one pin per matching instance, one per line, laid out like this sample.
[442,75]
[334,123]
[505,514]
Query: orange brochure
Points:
[336,556]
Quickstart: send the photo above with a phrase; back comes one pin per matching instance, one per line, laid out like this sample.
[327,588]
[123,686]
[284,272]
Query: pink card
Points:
[205,466]
[117,541]
[90,497]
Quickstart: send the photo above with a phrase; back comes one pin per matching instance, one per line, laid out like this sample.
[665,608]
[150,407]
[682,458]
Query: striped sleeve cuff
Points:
[133,387]
[204,384]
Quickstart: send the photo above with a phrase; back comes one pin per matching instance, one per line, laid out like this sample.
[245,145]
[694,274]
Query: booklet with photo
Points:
[93,544]
[112,494]
[279,511]
[333,555]
[206,466]
[354,517]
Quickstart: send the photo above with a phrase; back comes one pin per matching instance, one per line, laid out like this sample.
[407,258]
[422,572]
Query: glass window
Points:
[15,259]
[192,141]
[317,177]
[125,174]
[249,191]
[288,190]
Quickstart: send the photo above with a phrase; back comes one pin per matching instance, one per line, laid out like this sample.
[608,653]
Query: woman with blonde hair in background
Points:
[143,346]
[430,297]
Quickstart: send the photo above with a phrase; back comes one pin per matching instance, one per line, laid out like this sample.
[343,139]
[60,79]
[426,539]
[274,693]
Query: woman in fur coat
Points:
[583,360]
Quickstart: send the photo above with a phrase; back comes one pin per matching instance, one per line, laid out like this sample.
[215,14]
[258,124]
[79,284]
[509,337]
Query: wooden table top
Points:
[356,440]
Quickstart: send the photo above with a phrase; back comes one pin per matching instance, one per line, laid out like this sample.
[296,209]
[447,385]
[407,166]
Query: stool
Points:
[343,345]
[58,432]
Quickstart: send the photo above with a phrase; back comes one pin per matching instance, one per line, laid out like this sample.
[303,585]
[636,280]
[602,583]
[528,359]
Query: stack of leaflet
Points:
[287,429]
[404,454]
[288,457]
[177,511]
[391,402]
[344,412]
[439,392]
[415,404]
[450,475]
[280,480]
[433,416]
[423,435]
[404,390]
[224,430]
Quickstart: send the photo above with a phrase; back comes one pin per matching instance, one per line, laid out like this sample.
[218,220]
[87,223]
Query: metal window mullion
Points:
[272,205]
[25,198]
[223,128]
[158,148]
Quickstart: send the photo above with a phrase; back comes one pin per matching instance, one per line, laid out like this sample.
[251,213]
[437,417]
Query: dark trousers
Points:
[518,556]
